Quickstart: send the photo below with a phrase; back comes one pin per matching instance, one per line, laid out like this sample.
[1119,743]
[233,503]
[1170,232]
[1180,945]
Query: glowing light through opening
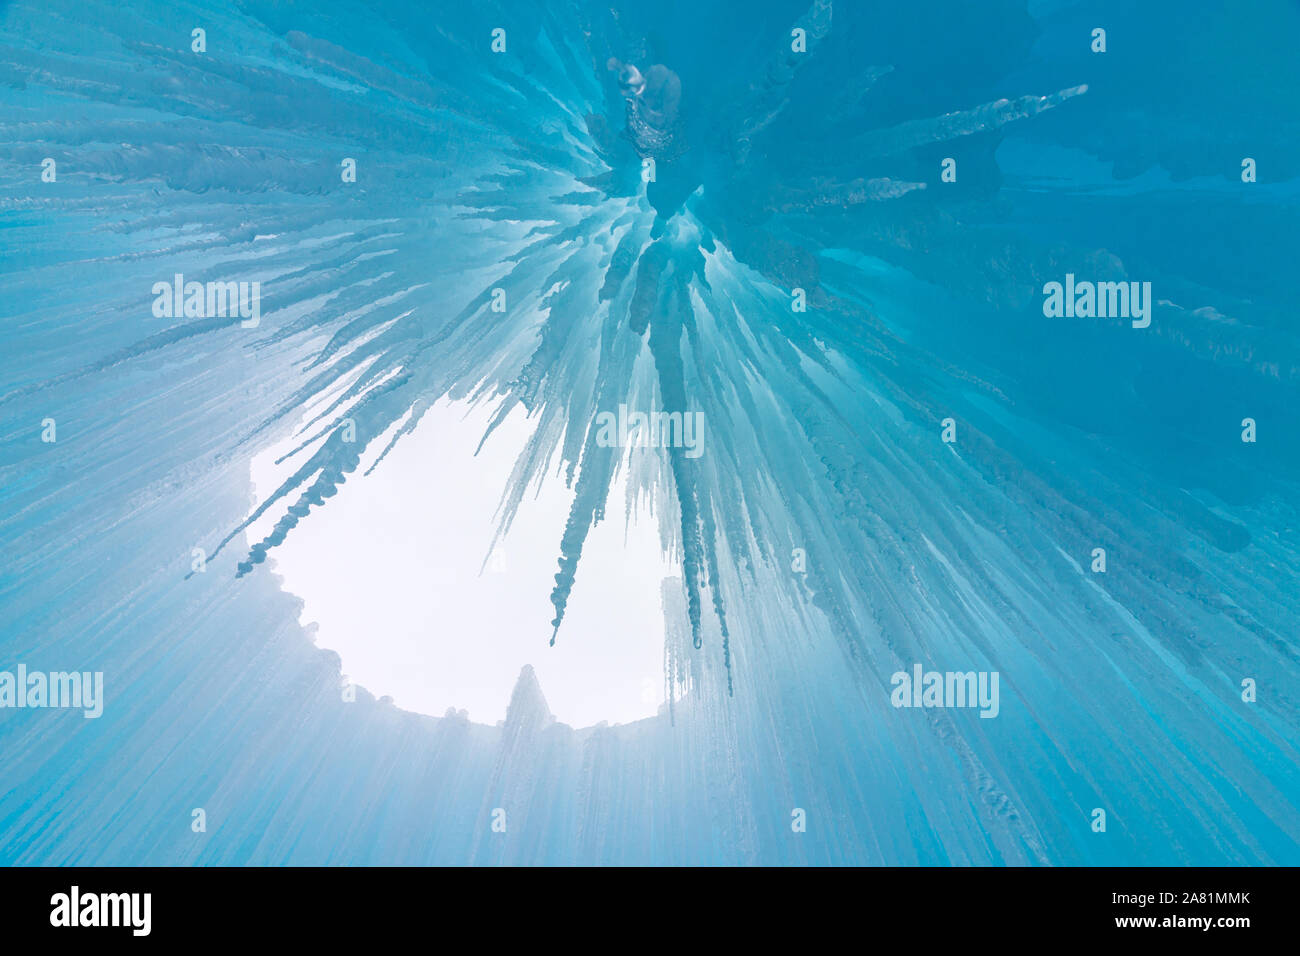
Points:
[392,575]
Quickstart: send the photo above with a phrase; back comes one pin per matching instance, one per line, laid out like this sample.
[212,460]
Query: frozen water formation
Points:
[835,255]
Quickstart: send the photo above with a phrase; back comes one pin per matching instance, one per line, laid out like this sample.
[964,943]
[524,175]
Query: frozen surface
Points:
[821,171]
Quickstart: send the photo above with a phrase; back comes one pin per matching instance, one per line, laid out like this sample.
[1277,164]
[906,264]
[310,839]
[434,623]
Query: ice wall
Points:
[827,538]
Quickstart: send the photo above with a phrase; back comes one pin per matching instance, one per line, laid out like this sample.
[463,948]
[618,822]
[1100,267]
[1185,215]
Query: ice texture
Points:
[826,539]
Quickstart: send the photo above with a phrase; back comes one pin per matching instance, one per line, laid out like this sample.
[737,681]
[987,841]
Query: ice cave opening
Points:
[400,577]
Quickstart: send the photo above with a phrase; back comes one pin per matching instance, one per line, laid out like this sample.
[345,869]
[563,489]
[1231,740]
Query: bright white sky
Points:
[389,570]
